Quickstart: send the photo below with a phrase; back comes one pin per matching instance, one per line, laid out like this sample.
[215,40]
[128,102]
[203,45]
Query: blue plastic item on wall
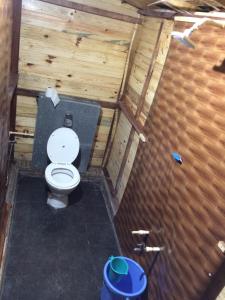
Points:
[177,157]
[130,286]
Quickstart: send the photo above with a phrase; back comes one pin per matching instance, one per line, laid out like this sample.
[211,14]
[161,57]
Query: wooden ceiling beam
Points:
[141,4]
[94,10]
[178,5]
[185,17]
[35,94]
[158,13]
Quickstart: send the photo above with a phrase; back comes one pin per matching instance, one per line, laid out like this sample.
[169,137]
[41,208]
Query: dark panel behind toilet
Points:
[85,118]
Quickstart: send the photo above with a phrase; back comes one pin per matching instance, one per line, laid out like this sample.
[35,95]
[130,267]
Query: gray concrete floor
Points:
[57,254]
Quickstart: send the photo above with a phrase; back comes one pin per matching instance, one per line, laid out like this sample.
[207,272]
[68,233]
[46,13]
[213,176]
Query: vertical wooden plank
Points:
[4,217]
[130,59]
[16,23]
[149,74]
[118,147]
[127,169]
[109,141]
[16,17]
[148,62]
[127,151]
[5,58]
[140,105]
[6,94]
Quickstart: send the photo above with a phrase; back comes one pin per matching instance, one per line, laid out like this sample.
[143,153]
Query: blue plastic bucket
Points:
[131,286]
[118,268]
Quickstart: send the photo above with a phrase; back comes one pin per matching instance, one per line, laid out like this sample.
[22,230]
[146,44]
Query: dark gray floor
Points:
[57,254]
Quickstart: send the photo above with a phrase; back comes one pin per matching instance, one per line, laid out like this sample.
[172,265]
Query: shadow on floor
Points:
[54,255]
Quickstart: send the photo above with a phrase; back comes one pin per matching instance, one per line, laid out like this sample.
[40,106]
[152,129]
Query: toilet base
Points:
[57,201]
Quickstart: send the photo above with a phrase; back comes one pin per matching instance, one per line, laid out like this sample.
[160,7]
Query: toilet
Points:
[61,176]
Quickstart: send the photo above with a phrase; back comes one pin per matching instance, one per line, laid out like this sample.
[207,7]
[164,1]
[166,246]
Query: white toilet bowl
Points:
[61,176]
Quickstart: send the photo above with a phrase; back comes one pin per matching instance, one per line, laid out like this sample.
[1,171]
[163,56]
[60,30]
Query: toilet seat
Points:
[63,145]
[62,176]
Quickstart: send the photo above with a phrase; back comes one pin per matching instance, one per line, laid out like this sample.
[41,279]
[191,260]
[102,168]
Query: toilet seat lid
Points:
[63,145]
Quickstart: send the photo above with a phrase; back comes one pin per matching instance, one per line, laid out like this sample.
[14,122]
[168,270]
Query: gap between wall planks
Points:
[94,10]
[141,101]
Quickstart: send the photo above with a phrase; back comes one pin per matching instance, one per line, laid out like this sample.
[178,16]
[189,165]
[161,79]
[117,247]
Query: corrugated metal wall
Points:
[183,204]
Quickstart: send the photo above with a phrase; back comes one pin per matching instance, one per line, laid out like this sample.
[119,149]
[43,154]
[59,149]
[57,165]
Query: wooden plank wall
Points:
[25,122]
[142,61]
[112,6]
[153,31]
[7,88]
[5,99]
[221,295]
[79,54]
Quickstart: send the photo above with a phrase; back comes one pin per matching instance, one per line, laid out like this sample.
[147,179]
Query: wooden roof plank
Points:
[179,5]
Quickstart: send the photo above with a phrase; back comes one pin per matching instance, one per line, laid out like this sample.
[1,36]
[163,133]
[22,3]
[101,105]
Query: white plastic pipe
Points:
[140,232]
[154,249]
[183,37]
